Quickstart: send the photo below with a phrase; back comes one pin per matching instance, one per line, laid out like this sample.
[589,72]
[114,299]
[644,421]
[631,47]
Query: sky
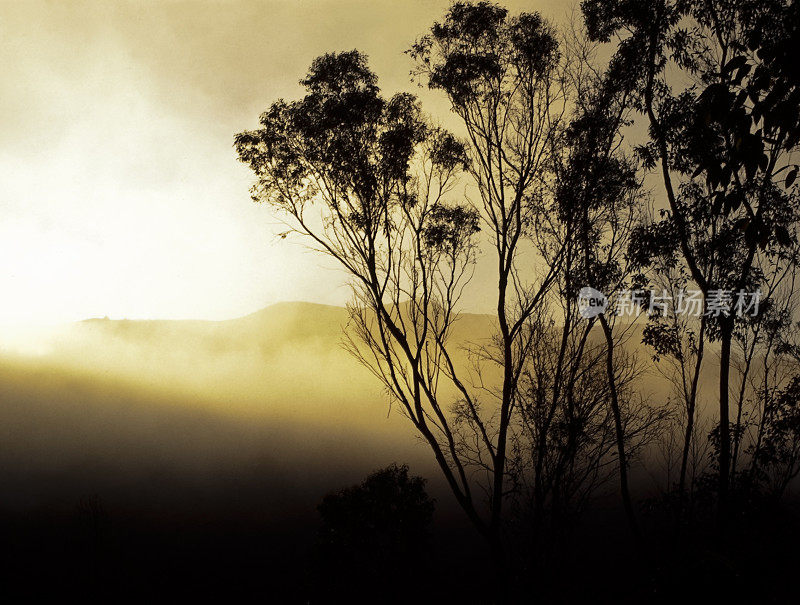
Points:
[120,192]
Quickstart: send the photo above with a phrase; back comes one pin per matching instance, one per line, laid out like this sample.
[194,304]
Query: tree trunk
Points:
[724,421]
[690,411]
[619,429]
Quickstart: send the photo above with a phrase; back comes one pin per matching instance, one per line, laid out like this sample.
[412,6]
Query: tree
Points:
[598,191]
[366,181]
[377,174]
[720,132]
[500,75]
[543,132]
[371,532]
[678,341]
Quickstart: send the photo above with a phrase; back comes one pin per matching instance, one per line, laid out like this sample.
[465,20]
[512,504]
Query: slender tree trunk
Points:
[740,400]
[687,442]
[618,428]
[737,433]
[544,430]
[690,413]
[724,421]
[505,406]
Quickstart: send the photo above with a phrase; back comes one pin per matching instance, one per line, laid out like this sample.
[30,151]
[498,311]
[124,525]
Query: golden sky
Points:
[120,193]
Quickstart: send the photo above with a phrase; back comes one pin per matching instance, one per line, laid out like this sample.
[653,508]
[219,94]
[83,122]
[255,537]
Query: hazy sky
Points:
[120,193]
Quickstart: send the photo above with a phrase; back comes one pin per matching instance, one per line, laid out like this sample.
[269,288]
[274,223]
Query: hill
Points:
[267,406]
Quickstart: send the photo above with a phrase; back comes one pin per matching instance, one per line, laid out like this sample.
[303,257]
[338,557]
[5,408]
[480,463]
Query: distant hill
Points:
[269,404]
[144,412]
[285,351]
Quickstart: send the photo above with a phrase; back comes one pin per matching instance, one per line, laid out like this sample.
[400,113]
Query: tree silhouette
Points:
[721,133]
[543,125]
[370,182]
[366,181]
[527,424]
[372,533]
[500,75]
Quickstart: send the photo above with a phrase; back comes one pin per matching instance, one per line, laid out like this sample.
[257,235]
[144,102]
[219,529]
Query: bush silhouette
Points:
[371,532]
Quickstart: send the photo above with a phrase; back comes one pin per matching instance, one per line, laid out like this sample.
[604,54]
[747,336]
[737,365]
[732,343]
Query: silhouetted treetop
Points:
[477,47]
[356,156]
[389,512]
[372,533]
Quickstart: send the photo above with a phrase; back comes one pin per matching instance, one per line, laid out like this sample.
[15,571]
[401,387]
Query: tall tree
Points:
[598,191]
[501,77]
[369,182]
[719,91]
[366,179]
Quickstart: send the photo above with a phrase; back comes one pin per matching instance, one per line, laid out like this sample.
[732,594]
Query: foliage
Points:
[372,531]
